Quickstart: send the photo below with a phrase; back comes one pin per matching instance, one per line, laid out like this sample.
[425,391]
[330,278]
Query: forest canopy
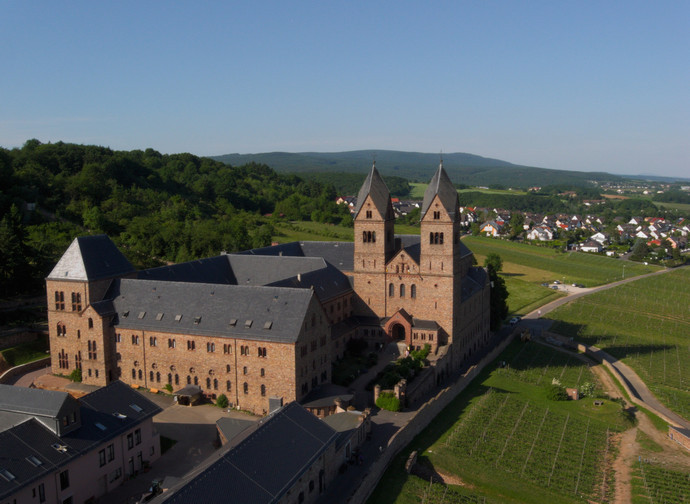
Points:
[156,207]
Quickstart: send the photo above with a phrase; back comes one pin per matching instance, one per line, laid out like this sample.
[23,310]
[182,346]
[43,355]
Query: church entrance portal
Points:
[398,332]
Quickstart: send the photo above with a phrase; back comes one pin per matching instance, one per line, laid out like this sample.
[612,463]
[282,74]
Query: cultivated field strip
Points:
[561,452]
[644,323]
[657,485]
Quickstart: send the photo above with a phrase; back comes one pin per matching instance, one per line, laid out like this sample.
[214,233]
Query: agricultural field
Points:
[504,441]
[541,264]
[654,484]
[645,324]
[418,188]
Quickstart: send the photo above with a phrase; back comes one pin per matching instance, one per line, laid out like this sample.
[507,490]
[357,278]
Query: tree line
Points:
[157,207]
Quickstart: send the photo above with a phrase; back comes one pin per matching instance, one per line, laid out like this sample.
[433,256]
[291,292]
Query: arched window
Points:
[431,238]
[170,378]
[158,377]
[402,290]
[189,380]
[134,374]
[228,385]
[440,241]
[391,290]
[246,388]
[150,375]
[413,291]
[364,236]
[373,236]
[208,383]
[177,379]
[215,384]
[141,374]
[196,380]
[263,390]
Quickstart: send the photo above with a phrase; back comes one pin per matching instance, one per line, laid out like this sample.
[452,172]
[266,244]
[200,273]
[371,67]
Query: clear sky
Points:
[587,85]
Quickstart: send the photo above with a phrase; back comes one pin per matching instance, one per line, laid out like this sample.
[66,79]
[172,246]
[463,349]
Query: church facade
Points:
[266,324]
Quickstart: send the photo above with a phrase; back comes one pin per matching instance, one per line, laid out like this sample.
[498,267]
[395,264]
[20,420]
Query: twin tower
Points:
[419,285]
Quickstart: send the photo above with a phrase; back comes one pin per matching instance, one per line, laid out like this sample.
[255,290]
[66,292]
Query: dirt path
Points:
[672,454]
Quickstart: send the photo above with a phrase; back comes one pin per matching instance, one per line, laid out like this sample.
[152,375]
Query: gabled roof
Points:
[32,447]
[264,466]
[210,309]
[376,188]
[91,258]
[47,403]
[441,186]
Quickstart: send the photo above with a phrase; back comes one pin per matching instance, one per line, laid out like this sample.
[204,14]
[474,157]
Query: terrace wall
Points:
[422,418]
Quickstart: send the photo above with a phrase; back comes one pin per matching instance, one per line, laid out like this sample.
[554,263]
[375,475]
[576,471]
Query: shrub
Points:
[168,387]
[587,389]
[75,375]
[556,393]
[388,401]
[222,401]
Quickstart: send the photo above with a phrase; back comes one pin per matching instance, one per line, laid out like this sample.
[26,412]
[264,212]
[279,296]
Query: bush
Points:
[388,401]
[222,401]
[587,389]
[556,393]
[168,387]
[75,375]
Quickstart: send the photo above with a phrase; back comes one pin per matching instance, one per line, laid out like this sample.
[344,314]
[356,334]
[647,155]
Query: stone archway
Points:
[398,332]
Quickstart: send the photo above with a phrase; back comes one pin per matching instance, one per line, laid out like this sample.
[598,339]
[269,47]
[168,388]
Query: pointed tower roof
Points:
[91,258]
[375,187]
[442,186]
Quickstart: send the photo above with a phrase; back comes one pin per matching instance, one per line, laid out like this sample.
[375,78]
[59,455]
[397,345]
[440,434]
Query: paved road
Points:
[632,380]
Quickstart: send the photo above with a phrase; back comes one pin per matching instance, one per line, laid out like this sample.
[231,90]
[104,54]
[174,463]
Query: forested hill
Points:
[156,207]
[463,168]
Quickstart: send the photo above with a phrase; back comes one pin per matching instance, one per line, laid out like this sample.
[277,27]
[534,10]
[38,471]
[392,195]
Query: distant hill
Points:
[462,168]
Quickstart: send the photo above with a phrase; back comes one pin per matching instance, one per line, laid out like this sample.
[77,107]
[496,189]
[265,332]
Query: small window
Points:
[233,322]
[197,320]
[178,318]
[142,314]
[90,323]
[159,317]
[248,323]
[268,324]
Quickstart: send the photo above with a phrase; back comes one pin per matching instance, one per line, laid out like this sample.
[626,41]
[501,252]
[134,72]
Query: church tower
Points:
[374,243]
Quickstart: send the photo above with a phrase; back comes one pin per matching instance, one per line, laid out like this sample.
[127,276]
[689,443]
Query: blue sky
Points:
[592,86]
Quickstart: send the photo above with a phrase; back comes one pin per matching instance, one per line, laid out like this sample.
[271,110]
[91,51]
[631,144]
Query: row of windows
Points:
[391,290]
[60,301]
[191,344]
[423,336]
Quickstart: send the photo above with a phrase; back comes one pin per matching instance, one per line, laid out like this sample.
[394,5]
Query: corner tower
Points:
[374,243]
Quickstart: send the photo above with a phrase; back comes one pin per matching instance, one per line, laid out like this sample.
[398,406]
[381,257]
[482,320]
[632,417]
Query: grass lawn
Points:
[26,352]
[541,264]
[524,296]
[508,443]
[644,323]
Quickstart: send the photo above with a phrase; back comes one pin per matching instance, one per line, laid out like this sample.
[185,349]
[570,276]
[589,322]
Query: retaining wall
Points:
[422,418]
[24,368]
[16,337]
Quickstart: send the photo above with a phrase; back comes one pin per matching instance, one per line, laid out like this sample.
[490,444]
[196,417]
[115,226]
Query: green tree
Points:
[493,262]
[517,220]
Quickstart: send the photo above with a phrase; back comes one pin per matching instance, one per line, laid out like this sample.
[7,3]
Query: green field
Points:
[508,443]
[652,483]
[644,323]
[418,188]
[541,264]
[26,352]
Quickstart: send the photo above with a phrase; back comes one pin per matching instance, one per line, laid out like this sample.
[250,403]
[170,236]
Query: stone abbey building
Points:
[264,326]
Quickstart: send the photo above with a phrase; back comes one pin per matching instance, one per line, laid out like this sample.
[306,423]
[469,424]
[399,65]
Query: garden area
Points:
[645,324]
[355,361]
[503,440]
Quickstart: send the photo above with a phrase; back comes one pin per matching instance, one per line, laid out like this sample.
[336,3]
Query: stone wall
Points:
[24,368]
[425,414]
[16,337]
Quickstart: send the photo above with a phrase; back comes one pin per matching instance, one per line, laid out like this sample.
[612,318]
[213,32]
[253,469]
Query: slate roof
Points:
[261,468]
[215,270]
[210,309]
[339,254]
[441,185]
[91,258]
[473,282]
[32,401]
[375,187]
[32,439]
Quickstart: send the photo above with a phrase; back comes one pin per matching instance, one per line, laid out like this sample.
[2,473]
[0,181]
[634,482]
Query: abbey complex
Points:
[264,326]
